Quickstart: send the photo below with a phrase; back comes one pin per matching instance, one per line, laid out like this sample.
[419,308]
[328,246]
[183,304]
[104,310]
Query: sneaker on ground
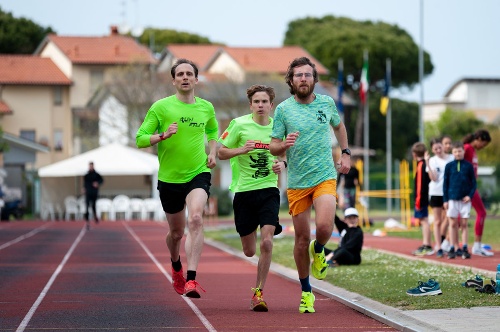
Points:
[319,266]
[423,251]
[477,282]
[178,281]
[430,287]
[257,302]
[440,253]
[465,254]
[481,252]
[307,303]
[191,289]
[452,254]
[445,245]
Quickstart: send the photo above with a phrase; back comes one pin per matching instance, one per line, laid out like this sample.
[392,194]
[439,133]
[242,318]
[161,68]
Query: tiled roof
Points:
[199,54]
[112,49]
[270,59]
[30,70]
[4,108]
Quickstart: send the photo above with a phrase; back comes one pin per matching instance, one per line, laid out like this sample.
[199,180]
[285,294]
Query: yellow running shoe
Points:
[307,303]
[319,266]
[257,302]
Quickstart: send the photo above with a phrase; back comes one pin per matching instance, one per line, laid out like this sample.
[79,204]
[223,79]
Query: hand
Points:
[466,199]
[344,165]
[249,146]
[290,140]
[278,166]
[445,205]
[427,156]
[172,129]
[211,161]
[95,184]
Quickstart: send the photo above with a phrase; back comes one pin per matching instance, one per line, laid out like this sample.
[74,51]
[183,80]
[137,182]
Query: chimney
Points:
[114,30]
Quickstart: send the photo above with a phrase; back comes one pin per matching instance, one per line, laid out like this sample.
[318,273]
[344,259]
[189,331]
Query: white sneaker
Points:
[445,245]
[481,252]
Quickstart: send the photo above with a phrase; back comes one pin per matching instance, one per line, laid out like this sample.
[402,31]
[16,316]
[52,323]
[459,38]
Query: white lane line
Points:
[195,309]
[25,236]
[45,290]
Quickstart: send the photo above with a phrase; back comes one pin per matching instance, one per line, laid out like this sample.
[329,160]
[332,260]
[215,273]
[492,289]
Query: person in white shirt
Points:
[435,169]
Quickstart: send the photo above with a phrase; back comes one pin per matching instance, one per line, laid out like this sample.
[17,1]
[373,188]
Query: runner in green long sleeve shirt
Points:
[179,124]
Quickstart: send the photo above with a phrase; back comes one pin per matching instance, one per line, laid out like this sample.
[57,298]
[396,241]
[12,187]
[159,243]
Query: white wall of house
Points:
[224,64]
[59,58]
[113,124]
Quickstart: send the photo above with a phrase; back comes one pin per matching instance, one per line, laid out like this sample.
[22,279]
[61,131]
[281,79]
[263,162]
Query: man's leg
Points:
[195,202]
[87,203]
[324,206]
[176,224]
[266,252]
[302,239]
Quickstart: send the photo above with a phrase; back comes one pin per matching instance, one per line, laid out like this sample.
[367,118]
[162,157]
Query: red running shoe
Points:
[191,289]
[257,303]
[178,281]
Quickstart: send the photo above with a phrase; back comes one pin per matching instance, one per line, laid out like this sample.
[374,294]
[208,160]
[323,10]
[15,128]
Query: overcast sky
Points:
[462,37]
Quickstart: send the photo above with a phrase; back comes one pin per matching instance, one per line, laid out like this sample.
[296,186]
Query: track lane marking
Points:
[25,236]
[45,290]
[195,309]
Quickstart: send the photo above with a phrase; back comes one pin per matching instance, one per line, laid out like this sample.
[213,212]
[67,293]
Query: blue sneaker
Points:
[430,287]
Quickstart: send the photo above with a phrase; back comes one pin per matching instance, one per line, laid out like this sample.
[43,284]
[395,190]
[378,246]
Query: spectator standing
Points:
[459,184]
[473,143]
[421,190]
[435,169]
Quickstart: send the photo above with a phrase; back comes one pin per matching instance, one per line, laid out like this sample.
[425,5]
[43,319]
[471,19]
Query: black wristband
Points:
[285,163]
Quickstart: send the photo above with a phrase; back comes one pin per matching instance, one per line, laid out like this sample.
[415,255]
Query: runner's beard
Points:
[304,93]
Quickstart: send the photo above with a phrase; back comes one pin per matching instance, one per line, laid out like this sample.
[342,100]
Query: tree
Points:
[20,35]
[330,38]
[157,39]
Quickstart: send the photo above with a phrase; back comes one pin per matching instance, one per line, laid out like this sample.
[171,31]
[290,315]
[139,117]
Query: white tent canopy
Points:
[125,170]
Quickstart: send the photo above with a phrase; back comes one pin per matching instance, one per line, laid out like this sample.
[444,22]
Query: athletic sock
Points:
[443,238]
[464,246]
[177,266]
[306,286]
[318,247]
[191,275]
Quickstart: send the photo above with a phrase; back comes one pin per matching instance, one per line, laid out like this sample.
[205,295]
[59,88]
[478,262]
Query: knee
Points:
[175,235]
[195,221]
[324,229]
[266,246]
[302,241]
[249,252]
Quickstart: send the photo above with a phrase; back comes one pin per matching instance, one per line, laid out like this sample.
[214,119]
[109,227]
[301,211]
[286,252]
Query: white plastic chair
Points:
[121,204]
[47,212]
[151,208]
[104,205]
[70,207]
[137,209]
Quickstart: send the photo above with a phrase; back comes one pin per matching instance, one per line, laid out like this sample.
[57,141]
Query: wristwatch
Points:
[162,136]
[346,151]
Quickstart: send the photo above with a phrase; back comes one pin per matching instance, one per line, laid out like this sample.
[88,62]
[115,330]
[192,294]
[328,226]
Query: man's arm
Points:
[212,161]
[278,147]
[228,153]
[345,159]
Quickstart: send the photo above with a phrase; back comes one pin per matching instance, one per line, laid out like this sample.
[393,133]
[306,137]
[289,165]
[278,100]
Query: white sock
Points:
[477,245]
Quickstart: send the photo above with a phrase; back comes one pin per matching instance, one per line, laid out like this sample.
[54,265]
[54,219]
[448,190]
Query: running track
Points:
[56,276]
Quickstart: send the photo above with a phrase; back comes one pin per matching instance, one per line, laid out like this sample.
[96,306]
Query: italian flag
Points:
[363,89]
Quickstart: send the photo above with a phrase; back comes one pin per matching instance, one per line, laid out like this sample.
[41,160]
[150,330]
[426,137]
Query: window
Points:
[28,134]
[58,139]
[58,95]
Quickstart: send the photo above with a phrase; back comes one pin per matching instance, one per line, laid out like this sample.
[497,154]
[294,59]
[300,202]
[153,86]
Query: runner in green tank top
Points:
[305,120]
[255,182]
[179,125]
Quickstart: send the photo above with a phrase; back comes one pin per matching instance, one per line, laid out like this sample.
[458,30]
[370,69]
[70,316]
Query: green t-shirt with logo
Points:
[310,160]
[183,155]
[252,170]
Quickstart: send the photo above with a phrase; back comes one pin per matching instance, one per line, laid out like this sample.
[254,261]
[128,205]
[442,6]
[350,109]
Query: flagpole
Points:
[421,74]
[388,125]
[366,132]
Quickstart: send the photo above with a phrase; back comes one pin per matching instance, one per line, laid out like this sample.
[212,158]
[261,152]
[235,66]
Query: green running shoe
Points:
[319,266]
[307,303]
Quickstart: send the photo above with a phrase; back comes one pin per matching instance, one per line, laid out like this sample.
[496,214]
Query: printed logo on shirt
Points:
[260,164]
[225,135]
[260,145]
[191,122]
[321,116]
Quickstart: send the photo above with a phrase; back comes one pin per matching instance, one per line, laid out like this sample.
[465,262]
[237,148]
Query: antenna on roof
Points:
[138,29]
[124,28]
